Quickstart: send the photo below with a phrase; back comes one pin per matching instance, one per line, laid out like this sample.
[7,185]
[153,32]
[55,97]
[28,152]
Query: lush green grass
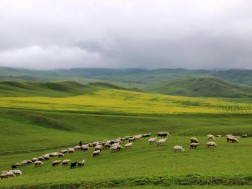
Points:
[207,87]
[32,126]
[143,164]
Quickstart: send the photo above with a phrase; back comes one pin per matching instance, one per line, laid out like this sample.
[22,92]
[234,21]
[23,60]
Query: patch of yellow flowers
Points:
[122,101]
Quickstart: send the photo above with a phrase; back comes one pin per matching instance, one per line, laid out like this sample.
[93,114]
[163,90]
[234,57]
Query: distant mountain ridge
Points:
[201,87]
[133,77]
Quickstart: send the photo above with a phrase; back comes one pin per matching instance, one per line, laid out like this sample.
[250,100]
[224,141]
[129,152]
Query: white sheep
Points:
[152,140]
[71,150]
[194,145]
[34,159]
[77,147]
[81,163]
[129,145]
[116,148]
[96,153]
[194,140]
[211,144]
[210,136]
[85,147]
[53,154]
[178,148]
[232,139]
[64,151]
[16,172]
[38,163]
[98,147]
[161,141]
[7,174]
[56,162]
[65,162]
[60,155]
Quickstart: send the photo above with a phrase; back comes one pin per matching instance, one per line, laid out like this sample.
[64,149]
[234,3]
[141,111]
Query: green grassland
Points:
[36,124]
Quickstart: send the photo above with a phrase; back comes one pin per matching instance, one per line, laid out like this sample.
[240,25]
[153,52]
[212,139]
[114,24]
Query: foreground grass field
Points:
[32,126]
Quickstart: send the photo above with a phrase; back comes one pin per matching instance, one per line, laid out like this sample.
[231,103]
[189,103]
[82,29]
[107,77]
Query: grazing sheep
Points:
[84,147]
[163,134]
[56,162]
[209,136]
[53,154]
[137,137]
[41,158]
[71,150]
[161,141]
[146,135]
[194,145]
[98,147]
[131,139]
[81,163]
[152,140]
[38,163]
[178,148]
[129,145]
[96,153]
[16,172]
[107,144]
[7,174]
[64,151]
[34,159]
[13,167]
[77,147]
[60,155]
[244,136]
[65,162]
[194,140]
[211,144]
[46,157]
[232,139]
[73,165]
[116,148]
[26,162]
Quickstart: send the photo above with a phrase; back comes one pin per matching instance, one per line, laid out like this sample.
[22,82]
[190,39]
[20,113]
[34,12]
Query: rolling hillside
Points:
[52,89]
[201,87]
[39,118]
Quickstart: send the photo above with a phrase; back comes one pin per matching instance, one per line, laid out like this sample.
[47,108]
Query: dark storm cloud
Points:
[120,34]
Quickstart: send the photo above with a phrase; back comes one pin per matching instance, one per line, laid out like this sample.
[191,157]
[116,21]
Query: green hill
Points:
[203,87]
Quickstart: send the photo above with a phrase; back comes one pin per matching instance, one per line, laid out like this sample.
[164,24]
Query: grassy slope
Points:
[51,89]
[29,133]
[152,164]
[207,87]
[127,102]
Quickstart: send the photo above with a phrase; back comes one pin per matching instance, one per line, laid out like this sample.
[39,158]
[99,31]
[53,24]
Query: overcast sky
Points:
[195,34]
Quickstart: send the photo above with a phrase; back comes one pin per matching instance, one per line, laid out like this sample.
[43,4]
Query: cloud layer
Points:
[43,34]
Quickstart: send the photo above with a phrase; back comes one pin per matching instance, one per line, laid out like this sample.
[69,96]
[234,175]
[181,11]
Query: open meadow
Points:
[36,125]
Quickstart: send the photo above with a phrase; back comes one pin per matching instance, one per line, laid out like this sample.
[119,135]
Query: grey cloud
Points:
[136,33]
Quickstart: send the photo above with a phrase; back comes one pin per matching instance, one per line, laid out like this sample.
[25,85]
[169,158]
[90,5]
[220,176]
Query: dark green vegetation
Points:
[51,89]
[144,164]
[167,81]
[132,76]
[208,87]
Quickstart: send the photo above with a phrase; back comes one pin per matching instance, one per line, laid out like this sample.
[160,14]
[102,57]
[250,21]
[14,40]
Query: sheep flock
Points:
[114,146]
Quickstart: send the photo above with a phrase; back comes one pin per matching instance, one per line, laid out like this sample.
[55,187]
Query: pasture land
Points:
[32,126]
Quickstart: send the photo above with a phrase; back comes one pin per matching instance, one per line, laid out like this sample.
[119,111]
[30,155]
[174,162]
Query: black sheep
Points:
[73,165]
